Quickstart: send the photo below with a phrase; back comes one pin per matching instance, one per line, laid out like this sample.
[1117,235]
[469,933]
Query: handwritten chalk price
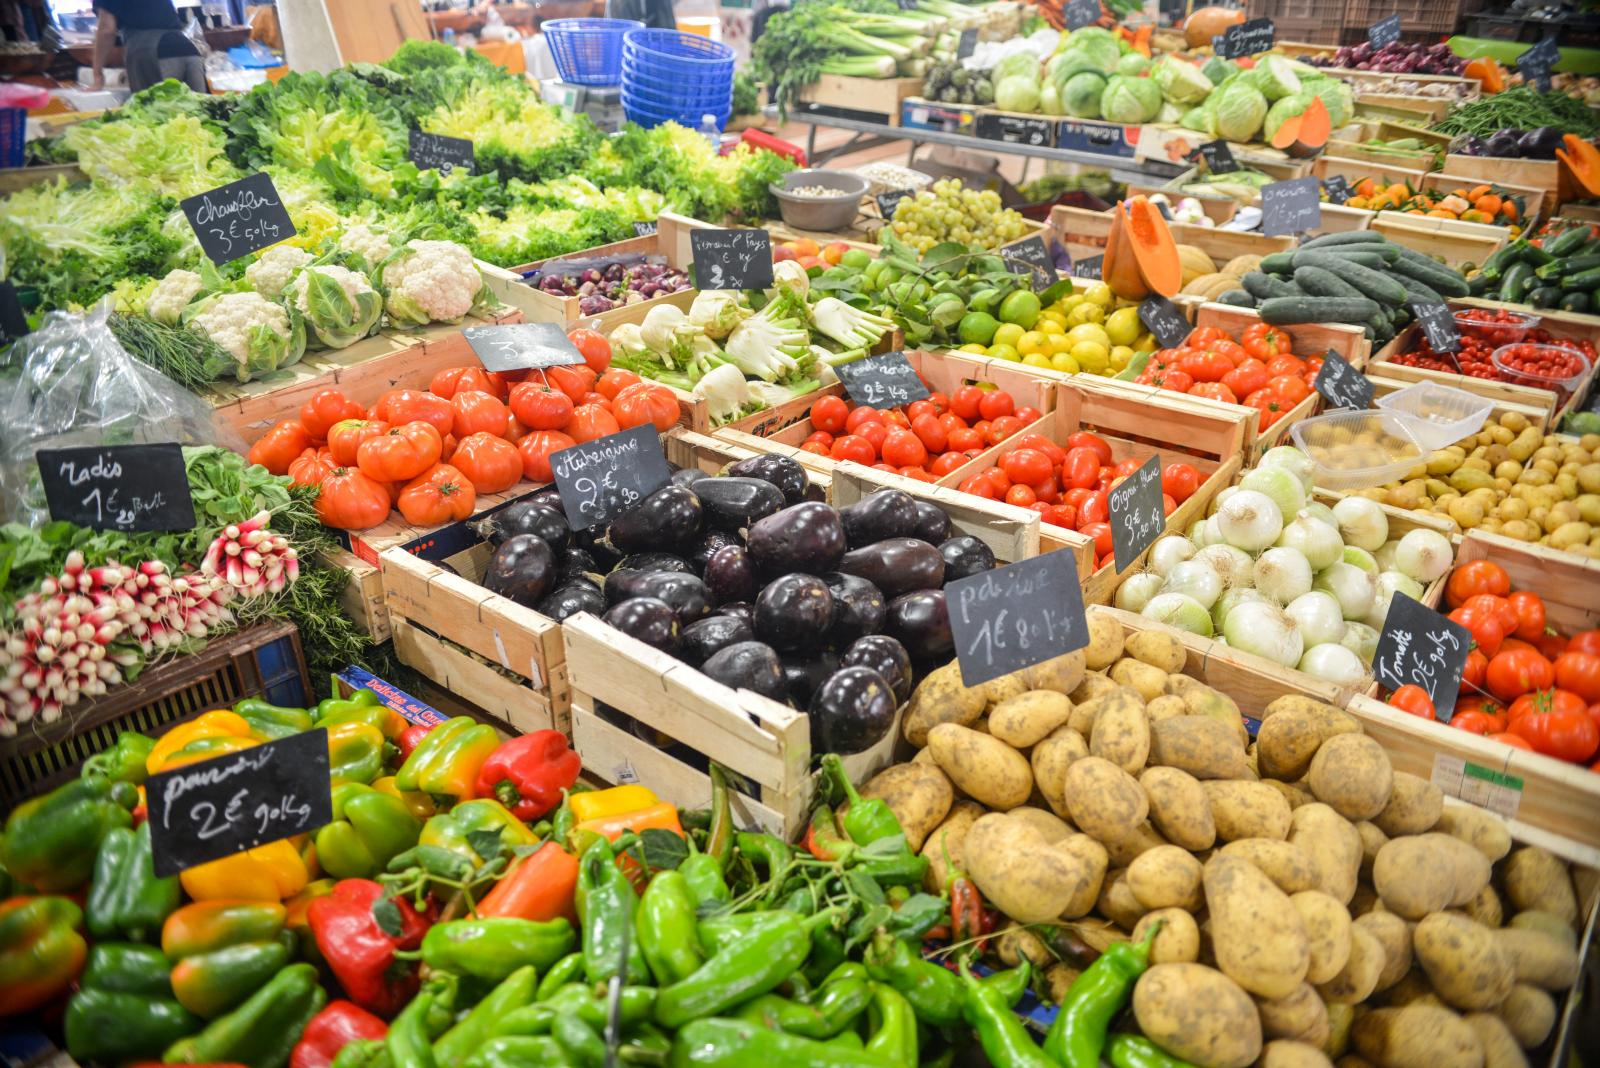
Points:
[1138,513]
[239,218]
[1017,616]
[731,259]
[1341,385]
[601,479]
[1418,646]
[118,487]
[884,381]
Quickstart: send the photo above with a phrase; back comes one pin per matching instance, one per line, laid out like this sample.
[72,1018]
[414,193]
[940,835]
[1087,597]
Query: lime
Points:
[1123,326]
[977,328]
[1008,334]
[1004,352]
[856,258]
[1021,307]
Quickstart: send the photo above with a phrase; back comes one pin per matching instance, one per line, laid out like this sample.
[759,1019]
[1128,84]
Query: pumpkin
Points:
[1583,160]
[1304,134]
[1209,22]
[1119,269]
[1240,266]
[1154,252]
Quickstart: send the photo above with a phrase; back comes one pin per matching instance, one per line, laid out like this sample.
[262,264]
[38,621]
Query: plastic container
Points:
[1356,449]
[1563,386]
[1439,414]
[669,76]
[1507,333]
[588,51]
[820,213]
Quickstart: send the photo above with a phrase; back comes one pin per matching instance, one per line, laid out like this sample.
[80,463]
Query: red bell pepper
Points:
[407,739]
[528,773]
[360,952]
[336,1026]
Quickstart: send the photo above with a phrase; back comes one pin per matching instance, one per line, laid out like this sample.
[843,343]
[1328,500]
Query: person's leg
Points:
[191,70]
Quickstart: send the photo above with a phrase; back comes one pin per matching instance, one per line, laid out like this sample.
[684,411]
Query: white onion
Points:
[1315,540]
[1319,617]
[1361,640]
[1281,485]
[1282,574]
[1263,628]
[1195,578]
[1136,591]
[1361,522]
[1249,520]
[1424,555]
[1181,611]
[1292,460]
[1390,581]
[1230,600]
[1231,565]
[1362,559]
[1221,497]
[1352,587]
[1335,664]
[1318,510]
[1379,610]
[1168,552]
[1203,532]
[1384,557]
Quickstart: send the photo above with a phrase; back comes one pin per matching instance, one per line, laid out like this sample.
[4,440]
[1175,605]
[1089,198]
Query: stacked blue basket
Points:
[676,77]
[588,51]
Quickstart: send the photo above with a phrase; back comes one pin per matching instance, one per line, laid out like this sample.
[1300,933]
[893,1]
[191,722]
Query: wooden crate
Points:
[1457,243]
[1084,233]
[1549,176]
[1173,144]
[362,597]
[711,453]
[1424,109]
[434,543]
[443,622]
[1533,199]
[1355,170]
[1339,219]
[879,97]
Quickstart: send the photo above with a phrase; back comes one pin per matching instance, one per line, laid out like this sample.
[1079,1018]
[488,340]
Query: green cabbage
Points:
[1217,70]
[1016,93]
[1133,64]
[1099,46]
[1237,110]
[1050,100]
[1180,81]
[1130,99]
[1336,96]
[1196,119]
[1170,113]
[1064,65]
[1274,77]
[1081,95]
[1018,63]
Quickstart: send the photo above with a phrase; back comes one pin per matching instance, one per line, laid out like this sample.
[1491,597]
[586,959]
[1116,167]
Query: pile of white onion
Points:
[1274,573]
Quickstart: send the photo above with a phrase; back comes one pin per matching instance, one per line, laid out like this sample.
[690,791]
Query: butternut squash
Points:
[1155,253]
[1583,160]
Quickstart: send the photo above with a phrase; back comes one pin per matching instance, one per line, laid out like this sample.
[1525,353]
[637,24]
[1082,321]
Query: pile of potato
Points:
[1510,479]
[1315,903]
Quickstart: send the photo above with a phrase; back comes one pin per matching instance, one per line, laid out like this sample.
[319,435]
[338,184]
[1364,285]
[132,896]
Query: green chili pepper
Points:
[894,1026]
[822,838]
[1004,1039]
[1011,983]
[578,1040]
[1078,1036]
[493,947]
[1136,1051]
[718,1043]
[520,1051]
[457,1044]
[270,722]
[666,928]
[864,819]
[765,851]
[125,897]
[802,900]
[934,992]
[608,912]
[754,965]
[901,869]
[717,933]
[827,953]
[363,1053]
[408,1043]
[561,973]
[835,1007]
[719,838]
[704,874]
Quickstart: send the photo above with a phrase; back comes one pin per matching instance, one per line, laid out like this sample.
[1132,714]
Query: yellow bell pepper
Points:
[598,804]
[270,872]
[207,748]
[218,723]
[420,804]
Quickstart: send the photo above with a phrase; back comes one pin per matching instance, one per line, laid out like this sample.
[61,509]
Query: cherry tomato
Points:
[1021,495]
[830,413]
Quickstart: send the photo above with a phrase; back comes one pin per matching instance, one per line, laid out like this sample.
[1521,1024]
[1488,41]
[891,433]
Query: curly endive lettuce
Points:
[514,132]
[306,117]
[179,157]
[681,165]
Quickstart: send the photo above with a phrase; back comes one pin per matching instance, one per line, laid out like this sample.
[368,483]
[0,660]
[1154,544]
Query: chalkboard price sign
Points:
[1165,320]
[239,218]
[521,346]
[1080,13]
[601,479]
[732,259]
[1536,63]
[1438,322]
[13,321]
[1384,31]
[887,202]
[644,229]
[1291,207]
[1418,646]
[1013,617]
[1342,385]
[1029,254]
[966,43]
[1138,513]
[1088,267]
[440,153]
[1218,157]
[1337,188]
[1247,38]
[118,487]
[1014,129]
[884,381]
[216,808]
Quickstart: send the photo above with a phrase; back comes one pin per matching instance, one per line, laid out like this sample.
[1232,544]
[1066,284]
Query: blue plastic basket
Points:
[648,114]
[653,80]
[653,94]
[674,50]
[13,136]
[588,51]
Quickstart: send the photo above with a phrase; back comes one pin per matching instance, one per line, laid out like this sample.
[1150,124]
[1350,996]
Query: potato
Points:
[1334,846]
[1022,720]
[1125,850]
[1340,1019]
[1257,933]
[1351,772]
[1530,1013]
[1052,827]
[944,848]
[1087,714]
[1103,800]
[1116,901]
[1554,926]
[1292,701]
[1247,810]
[1105,642]
[1198,1014]
[941,698]
[1327,927]
[1165,877]
[1535,879]
[1294,793]
[1286,864]
[1178,807]
[920,797]
[1300,1016]
[1472,867]
[1167,706]
[1178,941]
[1414,805]
[1289,739]
[1462,960]
[984,768]
[1088,857]
[1018,871]
[1394,934]
[1202,700]
[1416,1035]
[1500,1049]
[1485,908]
[1372,840]
[1359,976]
[1059,978]
[1017,944]
[1156,648]
[1483,830]
[1122,734]
[1092,685]
[1204,747]
[1281,1053]
[1004,688]
[1060,674]
[1150,682]
[1415,876]
[1537,957]
[1049,761]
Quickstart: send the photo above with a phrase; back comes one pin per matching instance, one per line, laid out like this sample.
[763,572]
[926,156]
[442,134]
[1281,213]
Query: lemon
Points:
[1060,343]
[1004,352]
[1099,293]
[1086,313]
[1121,356]
[1145,342]
[1070,301]
[975,349]
[1064,363]
[1008,335]
[1090,332]
[1031,342]
[1050,326]
[1123,326]
[1036,359]
[1091,356]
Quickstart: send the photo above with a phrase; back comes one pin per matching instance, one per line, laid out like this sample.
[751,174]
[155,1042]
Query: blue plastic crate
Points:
[13,136]
[281,681]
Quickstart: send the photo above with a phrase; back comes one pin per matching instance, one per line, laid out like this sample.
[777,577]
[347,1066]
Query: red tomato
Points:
[946,463]
[998,479]
[1062,515]
[590,421]
[491,464]
[1499,606]
[1048,491]
[830,414]
[1246,378]
[1474,722]
[1286,365]
[851,447]
[1021,496]
[1292,388]
[978,486]
[1476,667]
[1180,480]
[816,447]
[1124,468]
[646,402]
[1564,733]
[1093,441]
[931,432]
[1217,391]
[952,422]
[964,438]
[537,447]
[895,417]
[1003,428]
[1080,468]
[1205,366]
[1529,610]
[820,436]
[1513,740]
[1168,505]
[1176,379]
[448,382]
[476,411]
[1587,641]
[325,408]
[615,381]
[996,403]
[1484,623]
[917,409]
[1028,414]
[904,449]
[595,348]
[940,401]
[861,415]
[400,406]
[1096,508]
[1480,576]
[1100,532]
[965,402]
[1541,701]
[281,446]
[1026,465]
[1580,673]
[575,381]
[874,434]
[1042,444]
[1413,700]
[1512,674]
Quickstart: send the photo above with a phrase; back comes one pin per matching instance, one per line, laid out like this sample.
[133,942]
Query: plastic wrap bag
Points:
[70,383]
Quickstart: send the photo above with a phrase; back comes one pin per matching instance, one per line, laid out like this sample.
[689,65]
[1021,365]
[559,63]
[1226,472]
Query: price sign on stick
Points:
[887,202]
[1138,513]
[1291,207]
[884,381]
[1337,188]
[1080,13]
[1419,646]
[441,153]
[731,259]
[1014,617]
[1165,320]
[1218,157]
[521,346]
[239,218]
[118,487]
[1438,322]
[1536,63]
[1341,385]
[1029,254]
[601,479]
[1088,267]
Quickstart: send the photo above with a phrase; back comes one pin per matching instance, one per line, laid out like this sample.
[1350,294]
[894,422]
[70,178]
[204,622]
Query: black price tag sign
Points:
[1014,129]
[1165,320]
[1337,188]
[1138,513]
[601,479]
[886,380]
[239,218]
[118,487]
[1080,13]
[13,320]
[887,202]
[1420,647]
[1384,31]
[644,229]
[1291,207]
[219,807]
[1438,323]
[1088,268]
[521,346]
[1219,157]
[440,153]
[1247,38]
[1017,616]
[1341,385]
[1029,254]
[1537,62]
[732,259]
[966,43]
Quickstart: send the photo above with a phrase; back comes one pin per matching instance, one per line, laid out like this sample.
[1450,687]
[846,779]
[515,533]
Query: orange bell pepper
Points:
[619,800]
[539,886]
[662,815]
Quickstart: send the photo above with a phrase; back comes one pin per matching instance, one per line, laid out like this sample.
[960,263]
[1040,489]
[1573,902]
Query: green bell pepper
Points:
[124,1008]
[262,1032]
[123,762]
[369,829]
[494,947]
[270,722]
[51,841]
[456,829]
[125,897]
[520,1051]
[448,758]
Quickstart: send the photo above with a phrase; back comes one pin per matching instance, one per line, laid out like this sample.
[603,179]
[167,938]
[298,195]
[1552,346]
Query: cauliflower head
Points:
[259,334]
[434,281]
[172,295]
[274,268]
[339,305]
[360,239]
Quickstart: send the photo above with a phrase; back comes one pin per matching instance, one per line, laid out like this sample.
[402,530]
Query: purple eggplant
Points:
[570,600]
[1540,143]
[965,556]
[747,666]
[887,657]
[802,675]
[523,568]
[575,564]
[739,610]
[888,513]
[710,541]
[921,622]
[654,562]
[667,520]
[793,613]
[1504,143]
[781,471]
[852,711]
[649,620]
[729,575]
[685,593]
[804,537]
[897,565]
[858,607]
[733,503]
[933,524]
[705,637]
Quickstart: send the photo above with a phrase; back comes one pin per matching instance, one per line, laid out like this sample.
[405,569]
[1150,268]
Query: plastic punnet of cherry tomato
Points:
[1523,684]
[1259,369]
[926,439]
[1479,342]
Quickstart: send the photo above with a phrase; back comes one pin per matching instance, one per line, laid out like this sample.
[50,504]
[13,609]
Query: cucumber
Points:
[1240,298]
[1261,286]
[1583,280]
[1570,241]
[1372,283]
[1416,290]
[1435,276]
[1575,302]
[1368,258]
[1545,296]
[1316,282]
[1385,253]
[1286,311]
[1502,258]
[1348,237]
[1479,285]
[1516,283]
[1278,262]
[1570,265]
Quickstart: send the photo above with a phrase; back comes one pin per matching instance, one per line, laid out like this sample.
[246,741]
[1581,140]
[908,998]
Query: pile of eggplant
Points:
[747,577]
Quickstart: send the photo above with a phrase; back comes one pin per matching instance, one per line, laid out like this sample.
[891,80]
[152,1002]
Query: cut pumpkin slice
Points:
[1120,269]
[1156,255]
[1304,134]
[1583,160]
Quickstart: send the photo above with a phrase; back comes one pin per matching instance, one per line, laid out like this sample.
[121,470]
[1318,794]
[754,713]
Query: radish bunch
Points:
[251,559]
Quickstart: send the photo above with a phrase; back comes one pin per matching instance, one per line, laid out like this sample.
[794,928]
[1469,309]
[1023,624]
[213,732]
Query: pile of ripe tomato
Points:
[1260,369]
[429,453]
[1523,684]
[926,439]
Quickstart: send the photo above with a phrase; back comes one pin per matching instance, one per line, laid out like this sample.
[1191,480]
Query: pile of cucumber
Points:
[1564,274]
[1360,278]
